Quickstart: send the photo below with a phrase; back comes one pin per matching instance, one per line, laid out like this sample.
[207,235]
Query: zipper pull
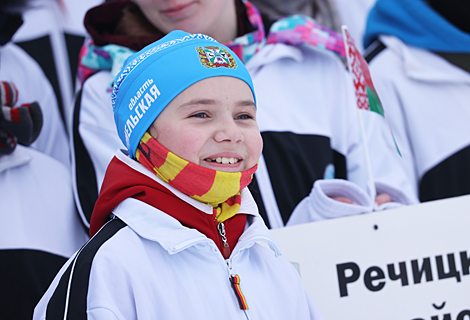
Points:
[226,247]
[235,282]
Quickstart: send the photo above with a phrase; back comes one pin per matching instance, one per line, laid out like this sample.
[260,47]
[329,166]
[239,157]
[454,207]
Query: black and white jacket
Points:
[40,229]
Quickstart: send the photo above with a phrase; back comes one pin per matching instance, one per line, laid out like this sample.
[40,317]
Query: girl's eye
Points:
[244,116]
[199,115]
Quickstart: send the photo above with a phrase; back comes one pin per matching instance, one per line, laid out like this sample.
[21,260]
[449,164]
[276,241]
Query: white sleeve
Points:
[320,206]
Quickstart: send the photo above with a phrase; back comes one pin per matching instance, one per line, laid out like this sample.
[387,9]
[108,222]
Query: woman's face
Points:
[216,18]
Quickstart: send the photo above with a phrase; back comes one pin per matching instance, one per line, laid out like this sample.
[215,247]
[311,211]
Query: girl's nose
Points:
[228,131]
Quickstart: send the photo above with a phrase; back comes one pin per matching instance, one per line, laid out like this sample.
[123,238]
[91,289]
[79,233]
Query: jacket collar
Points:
[422,65]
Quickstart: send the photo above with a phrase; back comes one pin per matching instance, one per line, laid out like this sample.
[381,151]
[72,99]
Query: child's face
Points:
[194,16]
[212,123]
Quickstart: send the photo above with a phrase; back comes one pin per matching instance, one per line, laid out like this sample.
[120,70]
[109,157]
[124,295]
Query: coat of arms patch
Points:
[216,57]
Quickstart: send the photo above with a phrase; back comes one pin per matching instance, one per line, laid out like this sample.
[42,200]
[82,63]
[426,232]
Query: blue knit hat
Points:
[154,76]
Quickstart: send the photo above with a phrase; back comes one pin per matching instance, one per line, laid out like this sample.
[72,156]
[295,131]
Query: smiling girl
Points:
[175,232]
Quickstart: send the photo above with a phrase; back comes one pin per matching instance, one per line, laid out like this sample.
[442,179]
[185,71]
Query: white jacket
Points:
[426,100]
[146,265]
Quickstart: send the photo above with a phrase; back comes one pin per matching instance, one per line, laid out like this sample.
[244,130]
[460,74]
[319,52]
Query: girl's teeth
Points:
[226,160]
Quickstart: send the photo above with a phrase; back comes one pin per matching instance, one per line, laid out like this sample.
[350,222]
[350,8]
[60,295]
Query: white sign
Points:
[410,263]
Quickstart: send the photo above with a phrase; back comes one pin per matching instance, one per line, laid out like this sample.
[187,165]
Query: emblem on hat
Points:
[216,57]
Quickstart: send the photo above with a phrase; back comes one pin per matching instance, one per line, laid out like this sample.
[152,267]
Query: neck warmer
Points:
[122,182]
[415,23]
[107,51]
[217,188]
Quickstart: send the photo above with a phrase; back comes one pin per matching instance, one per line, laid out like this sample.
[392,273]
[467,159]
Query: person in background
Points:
[175,231]
[307,115]
[419,53]
[40,229]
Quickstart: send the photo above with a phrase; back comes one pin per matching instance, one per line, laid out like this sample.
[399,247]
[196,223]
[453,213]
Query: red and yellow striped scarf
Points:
[217,188]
